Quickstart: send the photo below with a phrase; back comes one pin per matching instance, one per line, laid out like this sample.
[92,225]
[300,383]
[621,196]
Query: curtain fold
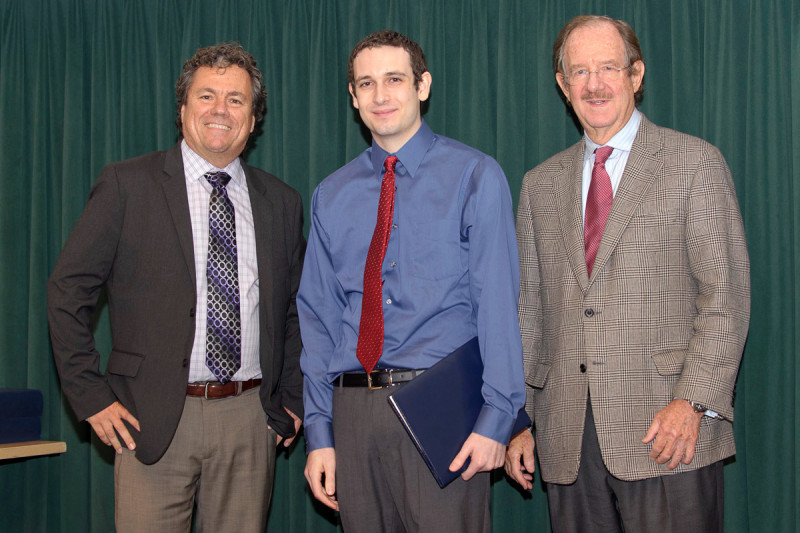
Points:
[87,82]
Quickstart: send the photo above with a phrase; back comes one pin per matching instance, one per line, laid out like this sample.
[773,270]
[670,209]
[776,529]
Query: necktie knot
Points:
[218,179]
[602,154]
[389,163]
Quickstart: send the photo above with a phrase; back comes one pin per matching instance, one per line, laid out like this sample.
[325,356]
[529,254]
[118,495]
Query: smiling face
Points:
[218,114]
[385,95]
[603,108]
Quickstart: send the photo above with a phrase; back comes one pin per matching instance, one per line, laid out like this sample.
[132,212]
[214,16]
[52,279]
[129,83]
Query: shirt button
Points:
[394,264]
[583,368]
[394,226]
[589,313]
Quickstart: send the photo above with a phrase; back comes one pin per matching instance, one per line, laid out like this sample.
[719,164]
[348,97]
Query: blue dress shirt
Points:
[451,272]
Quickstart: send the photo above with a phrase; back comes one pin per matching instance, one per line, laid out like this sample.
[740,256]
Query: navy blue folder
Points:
[440,407]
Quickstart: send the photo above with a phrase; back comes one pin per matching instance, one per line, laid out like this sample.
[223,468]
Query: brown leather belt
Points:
[215,389]
[377,379]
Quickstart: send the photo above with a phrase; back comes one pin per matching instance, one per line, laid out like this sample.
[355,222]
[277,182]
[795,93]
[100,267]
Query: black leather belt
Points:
[215,389]
[377,379]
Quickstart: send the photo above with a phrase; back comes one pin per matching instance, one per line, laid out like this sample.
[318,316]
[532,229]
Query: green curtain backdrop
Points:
[87,82]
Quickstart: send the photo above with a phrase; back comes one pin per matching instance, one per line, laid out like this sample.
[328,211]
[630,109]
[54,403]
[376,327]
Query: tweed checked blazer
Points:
[663,316]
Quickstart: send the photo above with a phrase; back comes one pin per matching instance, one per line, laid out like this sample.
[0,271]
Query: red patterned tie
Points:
[598,204]
[370,331]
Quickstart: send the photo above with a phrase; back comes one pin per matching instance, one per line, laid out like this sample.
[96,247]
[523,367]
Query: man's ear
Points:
[637,74]
[563,85]
[424,86]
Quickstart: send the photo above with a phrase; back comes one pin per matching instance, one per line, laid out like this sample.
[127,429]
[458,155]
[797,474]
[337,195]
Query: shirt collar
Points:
[623,140]
[410,155]
[195,167]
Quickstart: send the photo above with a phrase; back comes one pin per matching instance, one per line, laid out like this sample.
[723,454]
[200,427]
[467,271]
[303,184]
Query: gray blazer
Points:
[663,316]
[135,237]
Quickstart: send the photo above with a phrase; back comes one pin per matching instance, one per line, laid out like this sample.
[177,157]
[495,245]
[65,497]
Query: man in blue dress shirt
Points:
[450,273]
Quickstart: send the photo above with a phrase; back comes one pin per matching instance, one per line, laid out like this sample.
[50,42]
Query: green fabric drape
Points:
[87,82]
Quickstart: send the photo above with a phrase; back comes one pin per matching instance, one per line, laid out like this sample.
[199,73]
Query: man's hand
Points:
[520,464]
[485,454]
[288,442]
[108,422]
[675,429]
[322,462]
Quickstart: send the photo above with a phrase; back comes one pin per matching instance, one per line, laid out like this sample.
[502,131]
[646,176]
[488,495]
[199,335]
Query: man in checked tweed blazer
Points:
[630,363]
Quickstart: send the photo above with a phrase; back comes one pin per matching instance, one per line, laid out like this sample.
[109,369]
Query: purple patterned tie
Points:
[224,325]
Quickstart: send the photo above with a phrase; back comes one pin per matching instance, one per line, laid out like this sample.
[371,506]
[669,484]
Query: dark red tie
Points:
[370,331]
[598,204]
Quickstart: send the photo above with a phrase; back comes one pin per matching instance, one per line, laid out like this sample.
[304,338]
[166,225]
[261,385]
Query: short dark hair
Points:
[390,38]
[221,55]
[633,52]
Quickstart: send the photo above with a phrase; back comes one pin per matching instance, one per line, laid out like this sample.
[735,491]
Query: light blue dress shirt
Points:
[615,165]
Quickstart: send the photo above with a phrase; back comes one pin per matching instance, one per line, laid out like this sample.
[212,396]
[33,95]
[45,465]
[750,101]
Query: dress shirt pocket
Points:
[124,363]
[670,362]
[434,249]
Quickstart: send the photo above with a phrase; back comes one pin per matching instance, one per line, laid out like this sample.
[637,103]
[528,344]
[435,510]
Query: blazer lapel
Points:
[263,212]
[640,171]
[568,197]
[174,185]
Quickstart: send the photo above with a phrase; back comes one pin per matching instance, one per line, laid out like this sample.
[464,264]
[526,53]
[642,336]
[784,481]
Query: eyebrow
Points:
[602,62]
[215,91]
[392,74]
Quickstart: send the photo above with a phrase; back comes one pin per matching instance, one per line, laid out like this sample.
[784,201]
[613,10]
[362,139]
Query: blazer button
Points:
[583,368]
[589,313]
[185,363]
[191,312]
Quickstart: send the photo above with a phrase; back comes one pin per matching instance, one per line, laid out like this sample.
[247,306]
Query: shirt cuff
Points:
[319,435]
[494,424]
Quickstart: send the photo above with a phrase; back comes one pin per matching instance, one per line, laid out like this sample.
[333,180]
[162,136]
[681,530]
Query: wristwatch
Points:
[697,407]
[704,410]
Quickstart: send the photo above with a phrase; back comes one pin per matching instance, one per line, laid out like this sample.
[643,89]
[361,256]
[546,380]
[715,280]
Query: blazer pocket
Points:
[537,377]
[669,363]
[124,363]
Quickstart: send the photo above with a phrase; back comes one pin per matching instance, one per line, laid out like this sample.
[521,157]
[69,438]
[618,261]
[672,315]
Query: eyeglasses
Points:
[608,73]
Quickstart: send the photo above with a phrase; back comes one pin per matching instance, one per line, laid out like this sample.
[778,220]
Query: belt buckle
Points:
[378,387]
[388,372]
[205,390]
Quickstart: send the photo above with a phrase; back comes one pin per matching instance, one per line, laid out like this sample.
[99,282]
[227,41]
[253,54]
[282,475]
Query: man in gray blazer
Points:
[201,258]
[634,306]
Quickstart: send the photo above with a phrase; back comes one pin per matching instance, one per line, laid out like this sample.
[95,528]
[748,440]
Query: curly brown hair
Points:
[221,55]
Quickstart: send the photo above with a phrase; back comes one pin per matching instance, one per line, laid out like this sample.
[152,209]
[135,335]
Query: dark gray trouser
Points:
[598,502]
[382,482]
